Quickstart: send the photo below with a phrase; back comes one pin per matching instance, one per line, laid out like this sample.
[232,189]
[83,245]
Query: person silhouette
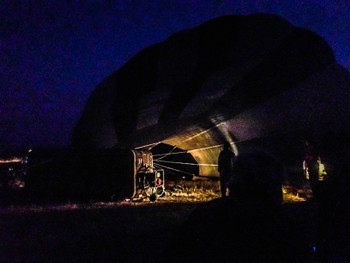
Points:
[225,164]
[311,165]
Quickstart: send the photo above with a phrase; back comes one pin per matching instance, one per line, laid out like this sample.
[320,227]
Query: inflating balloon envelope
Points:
[254,81]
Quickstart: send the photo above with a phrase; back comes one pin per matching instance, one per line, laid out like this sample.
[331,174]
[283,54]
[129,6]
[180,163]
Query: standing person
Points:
[310,165]
[225,164]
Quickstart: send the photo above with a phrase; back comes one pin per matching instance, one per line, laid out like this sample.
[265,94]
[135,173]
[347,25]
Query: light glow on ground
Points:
[185,193]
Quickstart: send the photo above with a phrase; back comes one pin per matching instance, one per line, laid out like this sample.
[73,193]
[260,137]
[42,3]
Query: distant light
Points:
[11,160]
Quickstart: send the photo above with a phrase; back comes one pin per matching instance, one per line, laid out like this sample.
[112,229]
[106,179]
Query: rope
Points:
[194,164]
[172,169]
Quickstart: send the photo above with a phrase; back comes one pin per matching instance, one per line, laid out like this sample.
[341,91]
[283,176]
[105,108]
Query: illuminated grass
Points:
[291,198]
[206,190]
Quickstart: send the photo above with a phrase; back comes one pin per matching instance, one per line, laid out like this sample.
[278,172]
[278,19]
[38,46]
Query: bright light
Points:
[11,160]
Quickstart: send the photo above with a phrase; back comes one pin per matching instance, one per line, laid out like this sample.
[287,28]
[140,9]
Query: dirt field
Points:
[88,233]
[99,231]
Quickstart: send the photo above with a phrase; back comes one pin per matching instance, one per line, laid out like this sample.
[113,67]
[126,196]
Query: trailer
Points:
[149,183]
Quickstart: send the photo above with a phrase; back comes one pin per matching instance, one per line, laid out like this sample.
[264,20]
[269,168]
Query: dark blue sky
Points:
[54,53]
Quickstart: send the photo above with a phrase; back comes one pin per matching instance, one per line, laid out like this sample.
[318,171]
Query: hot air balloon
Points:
[253,81]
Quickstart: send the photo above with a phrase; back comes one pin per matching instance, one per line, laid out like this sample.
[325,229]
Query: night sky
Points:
[54,53]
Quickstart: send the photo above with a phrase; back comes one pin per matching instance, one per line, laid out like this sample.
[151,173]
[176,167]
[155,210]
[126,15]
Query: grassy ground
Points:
[100,232]
[84,233]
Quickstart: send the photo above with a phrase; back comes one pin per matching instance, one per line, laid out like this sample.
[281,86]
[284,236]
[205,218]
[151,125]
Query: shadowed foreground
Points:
[121,233]
[114,232]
